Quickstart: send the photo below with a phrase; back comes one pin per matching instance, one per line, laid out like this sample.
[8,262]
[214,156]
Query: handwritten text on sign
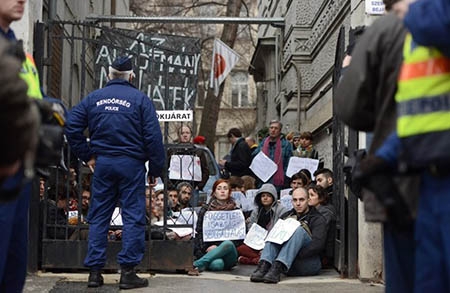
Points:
[223,225]
[166,66]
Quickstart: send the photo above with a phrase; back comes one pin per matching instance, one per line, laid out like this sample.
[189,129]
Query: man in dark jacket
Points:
[240,155]
[307,242]
[365,102]
[124,134]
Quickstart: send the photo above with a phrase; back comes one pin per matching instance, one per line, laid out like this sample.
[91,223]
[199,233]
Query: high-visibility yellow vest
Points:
[423,104]
[30,75]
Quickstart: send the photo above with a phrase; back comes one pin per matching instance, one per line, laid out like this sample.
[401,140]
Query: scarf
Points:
[216,205]
[278,177]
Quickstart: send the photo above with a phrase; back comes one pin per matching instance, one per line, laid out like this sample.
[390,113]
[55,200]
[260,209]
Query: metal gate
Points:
[345,140]
[67,56]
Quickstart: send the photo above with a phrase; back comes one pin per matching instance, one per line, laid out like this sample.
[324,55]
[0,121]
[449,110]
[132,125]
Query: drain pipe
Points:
[299,99]
[51,9]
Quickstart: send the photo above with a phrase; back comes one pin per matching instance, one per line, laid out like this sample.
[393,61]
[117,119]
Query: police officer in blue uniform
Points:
[124,133]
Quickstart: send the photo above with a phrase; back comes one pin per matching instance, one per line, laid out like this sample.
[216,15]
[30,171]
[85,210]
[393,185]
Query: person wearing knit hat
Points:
[266,213]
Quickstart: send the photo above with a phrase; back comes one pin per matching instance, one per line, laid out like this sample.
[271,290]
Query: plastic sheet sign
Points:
[166,66]
[223,225]
[375,7]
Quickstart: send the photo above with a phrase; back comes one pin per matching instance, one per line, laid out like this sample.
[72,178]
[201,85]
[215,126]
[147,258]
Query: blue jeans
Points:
[223,257]
[286,252]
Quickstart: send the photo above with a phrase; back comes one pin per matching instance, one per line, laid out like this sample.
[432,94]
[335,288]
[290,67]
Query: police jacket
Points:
[429,23]
[317,225]
[122,121]
[240,159]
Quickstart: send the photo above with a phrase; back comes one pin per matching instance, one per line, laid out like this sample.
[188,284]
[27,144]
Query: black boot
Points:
[129,279]
[95,279]
[261,270]
[274,274]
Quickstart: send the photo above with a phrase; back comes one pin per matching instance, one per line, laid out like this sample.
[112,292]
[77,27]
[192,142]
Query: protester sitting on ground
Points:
[42,187]
[300,255]
[173,195]
[305,149]
[216,255]
[318,198]
[184,196]
[266,214]
[56,218]
[324,178]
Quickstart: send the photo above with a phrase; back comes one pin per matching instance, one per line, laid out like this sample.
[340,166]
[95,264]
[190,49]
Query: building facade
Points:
[293,69]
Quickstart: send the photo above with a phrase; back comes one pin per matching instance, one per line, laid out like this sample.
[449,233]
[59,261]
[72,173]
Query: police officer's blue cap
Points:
[122,63]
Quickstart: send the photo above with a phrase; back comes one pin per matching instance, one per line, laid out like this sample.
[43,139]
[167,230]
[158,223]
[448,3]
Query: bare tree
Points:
[207,33]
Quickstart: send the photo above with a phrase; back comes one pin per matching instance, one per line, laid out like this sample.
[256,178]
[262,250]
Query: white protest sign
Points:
[255,237]
[238,197]
[263,167]
[375,7]
[296,164]
[250,195]
[185,167]
[223,225]
[286,198]
[283,230]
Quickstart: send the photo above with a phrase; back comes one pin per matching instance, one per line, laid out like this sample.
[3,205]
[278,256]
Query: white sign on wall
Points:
[375,7]
[175,115]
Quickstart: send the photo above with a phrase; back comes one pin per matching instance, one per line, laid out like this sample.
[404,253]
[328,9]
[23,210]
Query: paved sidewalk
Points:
[235,281]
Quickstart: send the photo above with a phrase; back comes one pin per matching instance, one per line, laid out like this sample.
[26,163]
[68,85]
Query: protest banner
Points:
[223,225]
[166,66]
[286,200]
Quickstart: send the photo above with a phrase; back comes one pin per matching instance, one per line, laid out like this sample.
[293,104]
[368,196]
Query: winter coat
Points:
[365,98]
[199,245]
[318,226]
[122,121]
[329,212]
[240,159]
